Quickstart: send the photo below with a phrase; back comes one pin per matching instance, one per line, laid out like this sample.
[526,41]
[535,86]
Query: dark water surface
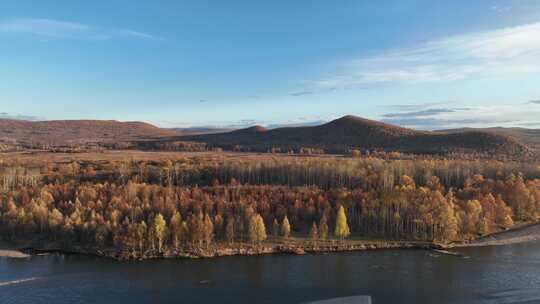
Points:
[504,274]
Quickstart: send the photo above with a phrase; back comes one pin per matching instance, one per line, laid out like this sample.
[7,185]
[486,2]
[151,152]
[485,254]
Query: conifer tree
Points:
[285,228]
[261,229]
[160,230]
[141,234]
[252,229]
[229,229]
[55,220]
[208,229]
[314,232]
[342,228]
[275,228]
[323,228]
[176,229]
[256,229]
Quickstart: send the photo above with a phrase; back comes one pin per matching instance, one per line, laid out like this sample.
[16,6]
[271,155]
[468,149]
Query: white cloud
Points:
[431,118]
[55,29]
[485,54]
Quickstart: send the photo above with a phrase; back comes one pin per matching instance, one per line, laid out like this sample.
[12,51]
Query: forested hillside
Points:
[350,132]
[340,136]
[530,137]
[74,134]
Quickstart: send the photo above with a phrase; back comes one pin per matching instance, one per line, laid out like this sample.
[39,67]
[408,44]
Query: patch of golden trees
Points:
[159,207]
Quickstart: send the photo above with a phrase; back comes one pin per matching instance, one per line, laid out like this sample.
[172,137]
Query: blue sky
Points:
[422,64]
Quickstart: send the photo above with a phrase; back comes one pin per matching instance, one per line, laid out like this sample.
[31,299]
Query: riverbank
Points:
[298,246]
[5,253]
[11,251]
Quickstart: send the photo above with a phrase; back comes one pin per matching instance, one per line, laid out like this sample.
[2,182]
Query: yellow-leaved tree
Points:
[285,228]
[342,228]
[160,230]
[257,230]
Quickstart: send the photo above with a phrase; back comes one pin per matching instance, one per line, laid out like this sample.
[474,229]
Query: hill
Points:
[529,137]
[200,130]
[22,134]
[348,132]
[338,136]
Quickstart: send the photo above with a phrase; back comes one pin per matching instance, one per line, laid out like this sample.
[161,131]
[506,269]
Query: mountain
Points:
[343,134]
[74,133]
[529,137]
[338,136]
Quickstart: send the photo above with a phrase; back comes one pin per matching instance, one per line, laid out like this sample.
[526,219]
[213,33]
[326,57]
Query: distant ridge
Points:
[529,137]
[57,133]
[337,136]
[349,132]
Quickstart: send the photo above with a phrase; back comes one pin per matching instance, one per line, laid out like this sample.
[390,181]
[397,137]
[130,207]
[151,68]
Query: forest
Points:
[153,204]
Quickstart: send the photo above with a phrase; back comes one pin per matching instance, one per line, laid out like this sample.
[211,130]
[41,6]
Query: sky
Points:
[420,64]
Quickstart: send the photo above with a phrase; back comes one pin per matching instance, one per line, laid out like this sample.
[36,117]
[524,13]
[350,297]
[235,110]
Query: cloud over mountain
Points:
[432,118]
[484,54]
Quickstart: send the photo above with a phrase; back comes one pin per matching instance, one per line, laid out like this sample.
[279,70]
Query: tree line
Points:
[142,217]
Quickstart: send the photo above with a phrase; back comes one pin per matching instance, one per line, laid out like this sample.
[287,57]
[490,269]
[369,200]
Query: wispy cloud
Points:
[301,93]
[501,8]
[485,54]
[4,115]
[423,113]
[472,116]
[56,29]
[417,106]
[245,123]
[535,101]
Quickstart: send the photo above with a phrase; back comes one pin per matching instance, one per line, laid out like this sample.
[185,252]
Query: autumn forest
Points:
[137,205]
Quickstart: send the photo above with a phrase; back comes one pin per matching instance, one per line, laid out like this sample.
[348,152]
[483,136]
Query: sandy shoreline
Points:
[9,253]
[522,234]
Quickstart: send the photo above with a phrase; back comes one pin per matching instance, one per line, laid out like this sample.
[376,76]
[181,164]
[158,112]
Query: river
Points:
[502,274]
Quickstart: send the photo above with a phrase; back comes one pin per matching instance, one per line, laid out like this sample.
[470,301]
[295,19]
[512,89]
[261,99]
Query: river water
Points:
[504,274]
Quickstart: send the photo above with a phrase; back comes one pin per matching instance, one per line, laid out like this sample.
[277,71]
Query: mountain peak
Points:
[253,129]
[356,120]
[353,132]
